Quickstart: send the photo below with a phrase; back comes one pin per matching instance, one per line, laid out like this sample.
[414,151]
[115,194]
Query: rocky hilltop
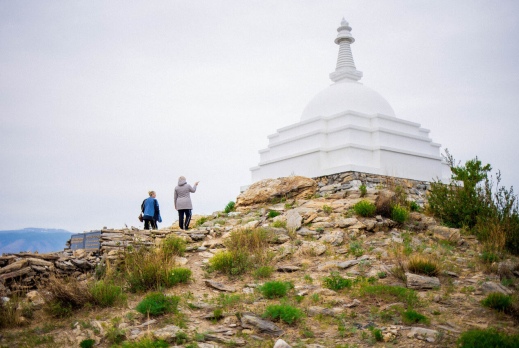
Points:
[335,277]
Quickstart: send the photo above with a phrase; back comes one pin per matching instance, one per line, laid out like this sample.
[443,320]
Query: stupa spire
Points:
[345,68]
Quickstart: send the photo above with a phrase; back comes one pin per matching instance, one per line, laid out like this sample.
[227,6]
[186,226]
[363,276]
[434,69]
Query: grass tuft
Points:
[487,338]
[390,293]
[156,303]
[179,275]
[275,289]
[422,264]
[273,213]
[336,282]
[174,245]
[399,214]
[106,294]
[411,317]
[365,208]
[283,312]
[498,301]
[231,206]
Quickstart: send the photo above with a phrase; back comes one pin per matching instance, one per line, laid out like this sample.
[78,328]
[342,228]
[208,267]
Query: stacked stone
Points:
[24,271]
[339,184]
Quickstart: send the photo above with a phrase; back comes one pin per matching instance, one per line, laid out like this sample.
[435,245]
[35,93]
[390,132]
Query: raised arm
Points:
[193,188]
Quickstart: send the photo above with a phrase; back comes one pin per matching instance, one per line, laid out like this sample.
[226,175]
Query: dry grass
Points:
[146,269]
[255,242]
[423,264]
[67,291]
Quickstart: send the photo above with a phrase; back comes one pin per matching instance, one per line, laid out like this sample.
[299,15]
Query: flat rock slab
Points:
[489,287]
[294,220]
[219,286]
[415,281]
[281,344]
[225,340]
[423,334]
[288,268]
[331,312]
[251,321]
[167,333]
[347,264]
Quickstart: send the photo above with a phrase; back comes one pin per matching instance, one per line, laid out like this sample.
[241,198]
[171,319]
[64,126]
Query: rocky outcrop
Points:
[269,190]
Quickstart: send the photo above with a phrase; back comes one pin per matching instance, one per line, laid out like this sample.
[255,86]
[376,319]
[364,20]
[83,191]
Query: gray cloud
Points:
[101,101]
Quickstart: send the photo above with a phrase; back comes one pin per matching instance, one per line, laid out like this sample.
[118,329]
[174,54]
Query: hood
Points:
[182,182]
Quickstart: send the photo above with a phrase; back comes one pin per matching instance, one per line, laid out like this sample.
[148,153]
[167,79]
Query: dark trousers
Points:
[184,224]
[150,223]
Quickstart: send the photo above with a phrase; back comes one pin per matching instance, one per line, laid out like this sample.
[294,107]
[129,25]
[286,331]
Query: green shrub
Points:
[59,309]
[106,294]
[498,301]
[489,338]
[279,224]
[399,214]
[174,245]
[181,337]
[327,209]
[489,257]
[145,269]
[413,206]
[363,190]
[88,343]
[336,282]
[273,213]
[283,312]
[146,343]
[157,303]
[230,263]
[201,221]
[114,334]
[179,275]
[472,200]
[390,293]
[226,300]
[263,272]
[275,289]
[356,249]
[412,317]
[422,264]
[230,207]
[377,335]
[365,208]
[246,248]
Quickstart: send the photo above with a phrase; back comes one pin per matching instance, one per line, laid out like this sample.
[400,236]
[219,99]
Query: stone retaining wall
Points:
[347,181]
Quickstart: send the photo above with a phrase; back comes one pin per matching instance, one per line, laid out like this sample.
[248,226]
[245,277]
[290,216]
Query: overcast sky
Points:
[101,101]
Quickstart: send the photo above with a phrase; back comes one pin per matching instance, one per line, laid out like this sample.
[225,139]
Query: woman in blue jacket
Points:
[150,211]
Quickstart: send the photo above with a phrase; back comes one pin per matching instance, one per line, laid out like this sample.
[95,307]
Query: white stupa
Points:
[350,127]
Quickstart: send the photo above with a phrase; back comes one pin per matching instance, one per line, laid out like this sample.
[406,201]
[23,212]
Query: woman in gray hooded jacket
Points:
[183,202]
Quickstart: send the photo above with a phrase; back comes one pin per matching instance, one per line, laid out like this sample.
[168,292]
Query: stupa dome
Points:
[347,95]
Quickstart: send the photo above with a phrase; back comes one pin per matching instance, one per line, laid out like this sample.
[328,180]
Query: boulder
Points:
[415,281]
[384,201]
[489,287]
[423,334]
[335,238]
[294,220]
[445,233]
[267,190]
[167,333]
[219,286]
[281,344]
[312,248]
[252,321]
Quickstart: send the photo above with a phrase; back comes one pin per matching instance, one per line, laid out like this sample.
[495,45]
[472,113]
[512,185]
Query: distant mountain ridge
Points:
[43,240]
